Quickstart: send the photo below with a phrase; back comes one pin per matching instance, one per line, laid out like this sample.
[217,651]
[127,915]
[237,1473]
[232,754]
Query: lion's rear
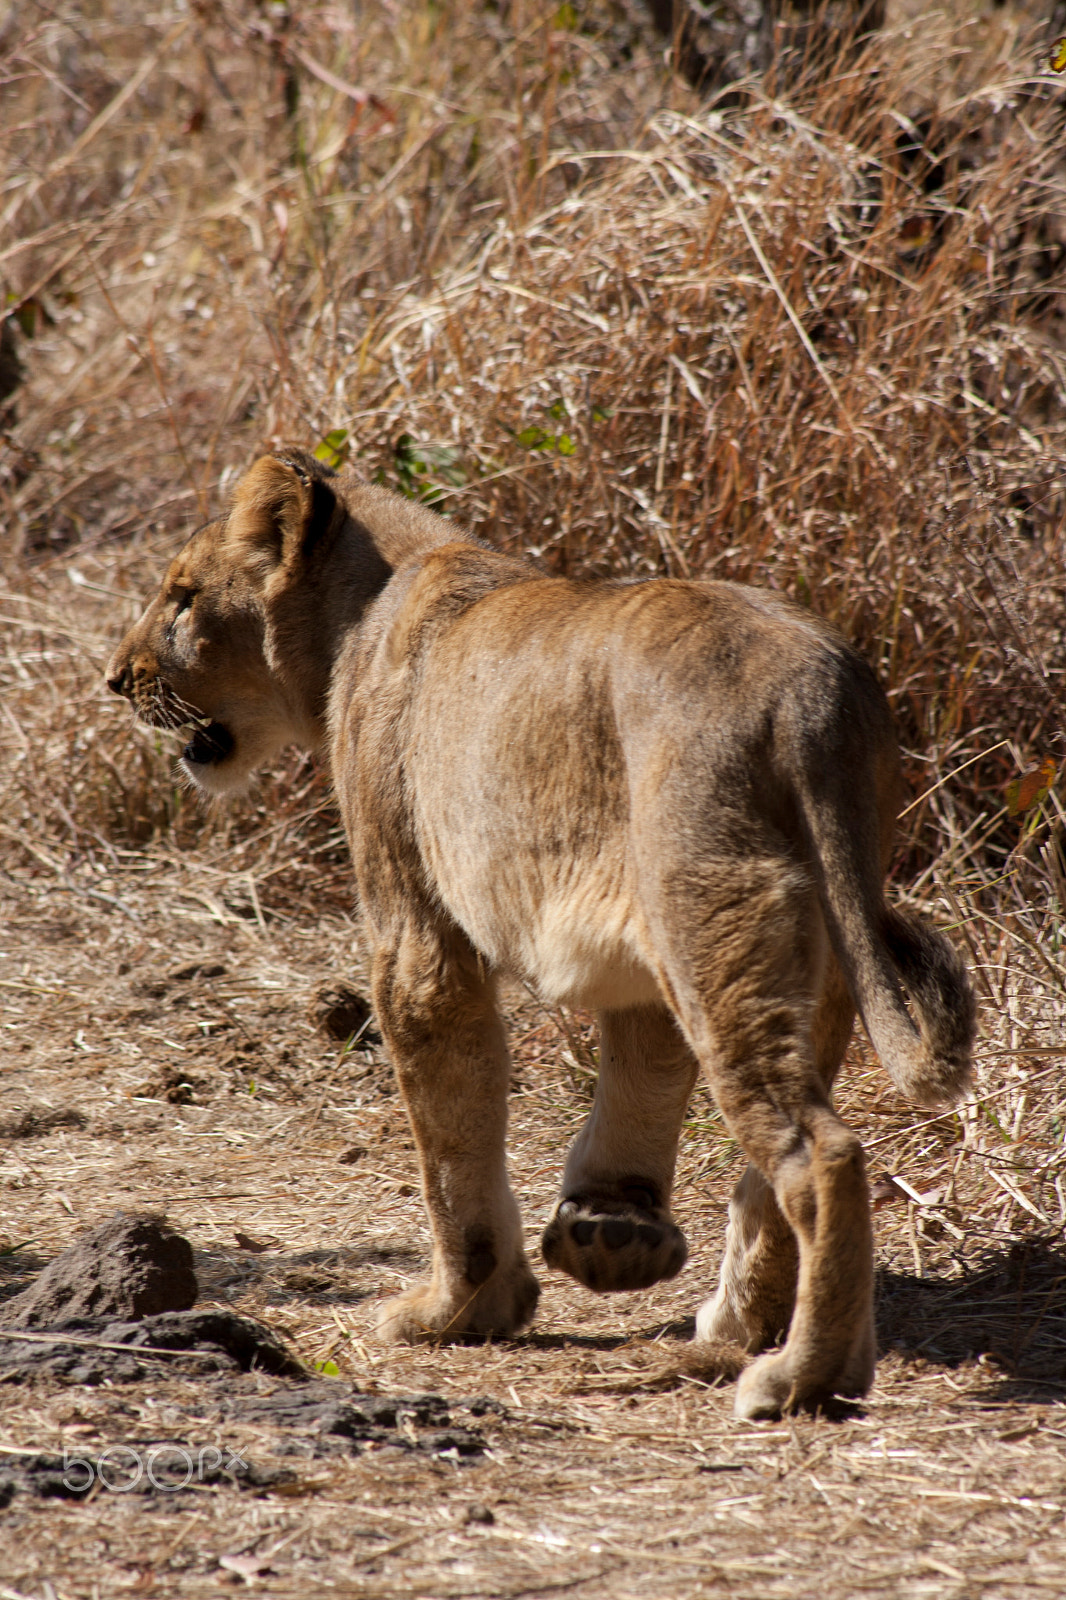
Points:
[582,755]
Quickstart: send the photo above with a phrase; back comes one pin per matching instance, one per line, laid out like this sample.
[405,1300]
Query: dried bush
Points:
[807,334]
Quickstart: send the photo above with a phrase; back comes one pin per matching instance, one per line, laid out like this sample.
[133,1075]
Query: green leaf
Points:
[443,461]
[422,469]
[557,410]
[601,414]
[535,439]
[991,1117]
[565,445]
[565,19]
[333,449]
[328,1369]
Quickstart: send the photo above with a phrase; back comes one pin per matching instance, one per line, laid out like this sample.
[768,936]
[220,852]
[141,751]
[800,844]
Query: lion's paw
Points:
[765,1391]
[501,1307]
[609,1244]
[771,1386]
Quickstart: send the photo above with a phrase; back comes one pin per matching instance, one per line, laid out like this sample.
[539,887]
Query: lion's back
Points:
[555,737]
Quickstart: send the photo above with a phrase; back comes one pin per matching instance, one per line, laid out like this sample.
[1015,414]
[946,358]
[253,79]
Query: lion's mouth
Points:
[211,743]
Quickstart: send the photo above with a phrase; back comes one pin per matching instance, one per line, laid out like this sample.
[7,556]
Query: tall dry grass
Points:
[807,334]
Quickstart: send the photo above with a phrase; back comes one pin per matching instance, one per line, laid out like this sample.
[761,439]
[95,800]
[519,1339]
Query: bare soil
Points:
[605,1471]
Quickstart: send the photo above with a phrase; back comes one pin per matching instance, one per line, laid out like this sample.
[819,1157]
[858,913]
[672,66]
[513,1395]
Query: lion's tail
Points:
[918,1005]
[909,983]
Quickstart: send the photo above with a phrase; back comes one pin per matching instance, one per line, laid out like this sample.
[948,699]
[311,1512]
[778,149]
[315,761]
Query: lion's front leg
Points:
[439,1018]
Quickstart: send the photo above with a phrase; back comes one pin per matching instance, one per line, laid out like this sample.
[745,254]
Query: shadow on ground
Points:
[322,1277]
[1009,1308]
[19,1265]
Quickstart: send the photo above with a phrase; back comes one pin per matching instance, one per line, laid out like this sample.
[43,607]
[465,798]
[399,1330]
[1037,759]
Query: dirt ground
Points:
[214,1097]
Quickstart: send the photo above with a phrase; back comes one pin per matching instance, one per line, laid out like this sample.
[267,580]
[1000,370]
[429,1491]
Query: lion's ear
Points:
[283,507]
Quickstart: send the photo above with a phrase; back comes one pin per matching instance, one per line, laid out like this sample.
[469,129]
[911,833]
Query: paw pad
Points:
[612,1245]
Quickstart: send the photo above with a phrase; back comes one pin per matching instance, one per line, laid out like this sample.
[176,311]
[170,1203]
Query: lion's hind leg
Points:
[747,960]
[756,1293]
[439,1017]
[611,1228]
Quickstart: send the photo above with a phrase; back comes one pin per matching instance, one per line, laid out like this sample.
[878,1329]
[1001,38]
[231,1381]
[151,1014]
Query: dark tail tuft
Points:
[941,1001]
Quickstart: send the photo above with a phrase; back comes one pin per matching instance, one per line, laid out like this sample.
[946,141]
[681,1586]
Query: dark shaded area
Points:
[128,1267]
[33,1122]
[343,1014]
[19,1264]
[320,1277]
[713,45]
[323,1419]
[95,1350]
[12,372]
[1009,1309]
[679,1328]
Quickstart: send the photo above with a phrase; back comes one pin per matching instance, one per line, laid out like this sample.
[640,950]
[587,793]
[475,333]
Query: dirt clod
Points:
[343,1014]
[247,1241]
[174,1085]
[197,969]
[92,1350]
[35,1121]
[129,1267]
[332,1418]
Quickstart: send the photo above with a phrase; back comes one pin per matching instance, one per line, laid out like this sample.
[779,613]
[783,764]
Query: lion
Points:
[671,802]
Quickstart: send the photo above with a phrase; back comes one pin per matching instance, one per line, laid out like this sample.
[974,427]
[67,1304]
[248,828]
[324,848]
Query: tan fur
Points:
[670,802]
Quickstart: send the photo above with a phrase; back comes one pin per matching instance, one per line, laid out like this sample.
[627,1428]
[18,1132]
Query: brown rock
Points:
[129,1267]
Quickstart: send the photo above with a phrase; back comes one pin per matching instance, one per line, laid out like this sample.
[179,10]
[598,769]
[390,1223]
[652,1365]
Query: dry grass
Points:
[808,335]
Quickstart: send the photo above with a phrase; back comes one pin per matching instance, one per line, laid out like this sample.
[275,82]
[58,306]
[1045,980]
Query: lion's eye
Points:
[184,599]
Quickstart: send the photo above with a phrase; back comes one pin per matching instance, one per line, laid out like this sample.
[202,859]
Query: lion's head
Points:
[212,653]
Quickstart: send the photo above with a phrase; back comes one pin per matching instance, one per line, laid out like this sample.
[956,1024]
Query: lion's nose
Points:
[119,679]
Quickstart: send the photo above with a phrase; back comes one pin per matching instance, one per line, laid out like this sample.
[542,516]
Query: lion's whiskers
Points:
[171,709]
